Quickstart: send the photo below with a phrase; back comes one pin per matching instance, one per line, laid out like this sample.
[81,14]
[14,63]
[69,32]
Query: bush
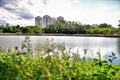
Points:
[106,31]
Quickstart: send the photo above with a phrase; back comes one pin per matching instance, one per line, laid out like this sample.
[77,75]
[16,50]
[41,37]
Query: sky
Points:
[23,12]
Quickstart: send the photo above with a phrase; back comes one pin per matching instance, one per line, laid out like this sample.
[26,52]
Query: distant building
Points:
[38,21]
[60,18]
[53,20]
[46,20]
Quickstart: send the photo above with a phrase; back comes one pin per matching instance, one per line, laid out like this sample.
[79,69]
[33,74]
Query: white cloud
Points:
[36,6]
[78,11]
[95,12]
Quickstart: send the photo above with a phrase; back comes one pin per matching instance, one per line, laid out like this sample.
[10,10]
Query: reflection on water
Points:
[92,44]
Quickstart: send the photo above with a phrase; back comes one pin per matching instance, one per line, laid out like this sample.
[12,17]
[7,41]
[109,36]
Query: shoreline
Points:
[76,35]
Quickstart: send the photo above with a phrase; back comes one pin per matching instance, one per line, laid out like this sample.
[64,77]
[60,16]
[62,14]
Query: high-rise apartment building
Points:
[38,21]
[53,20]
[46,20]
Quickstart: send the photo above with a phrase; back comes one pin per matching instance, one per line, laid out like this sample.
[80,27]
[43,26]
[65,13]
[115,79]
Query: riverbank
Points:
[82,35]
[79,35]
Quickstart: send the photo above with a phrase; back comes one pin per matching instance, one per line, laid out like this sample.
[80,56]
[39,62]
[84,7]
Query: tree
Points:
[37,29]
[8,29]
[119,24]
[104,25]
[65,27]
[27,29]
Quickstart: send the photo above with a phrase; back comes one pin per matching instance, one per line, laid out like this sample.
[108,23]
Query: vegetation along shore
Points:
[63,28]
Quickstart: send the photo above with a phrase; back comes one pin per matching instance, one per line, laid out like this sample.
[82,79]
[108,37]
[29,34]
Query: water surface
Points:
[105,45]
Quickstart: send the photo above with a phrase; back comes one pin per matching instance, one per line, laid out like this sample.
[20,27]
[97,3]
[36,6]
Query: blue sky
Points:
[22,12]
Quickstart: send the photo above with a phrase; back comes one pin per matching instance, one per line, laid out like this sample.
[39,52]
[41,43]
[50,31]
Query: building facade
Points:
[53,20]
[46,20]
[38,21]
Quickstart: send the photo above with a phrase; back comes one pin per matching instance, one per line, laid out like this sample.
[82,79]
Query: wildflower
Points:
[60,66]
[48,74]
[69,78]
[17,66]
[58,79]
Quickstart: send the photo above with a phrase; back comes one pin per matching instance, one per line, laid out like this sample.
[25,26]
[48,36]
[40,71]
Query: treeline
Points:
[77,28]
[18,29]
[64,27]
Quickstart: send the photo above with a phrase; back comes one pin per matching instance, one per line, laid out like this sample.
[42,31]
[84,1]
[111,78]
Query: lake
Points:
[106,45]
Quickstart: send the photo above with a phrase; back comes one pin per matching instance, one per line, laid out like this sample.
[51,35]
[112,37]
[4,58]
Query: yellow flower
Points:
[58,79]
[17,66]
[48,74]
[69,78]
[74,74]
[60,66]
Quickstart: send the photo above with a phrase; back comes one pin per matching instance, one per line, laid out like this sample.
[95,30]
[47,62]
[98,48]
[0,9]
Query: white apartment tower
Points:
[46,20]
[38,21]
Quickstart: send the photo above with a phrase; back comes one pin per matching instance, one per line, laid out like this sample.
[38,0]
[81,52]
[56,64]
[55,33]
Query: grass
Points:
[51,64]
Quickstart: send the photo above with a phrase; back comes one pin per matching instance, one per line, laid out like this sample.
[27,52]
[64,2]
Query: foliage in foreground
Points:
[47,63]
[19,67]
